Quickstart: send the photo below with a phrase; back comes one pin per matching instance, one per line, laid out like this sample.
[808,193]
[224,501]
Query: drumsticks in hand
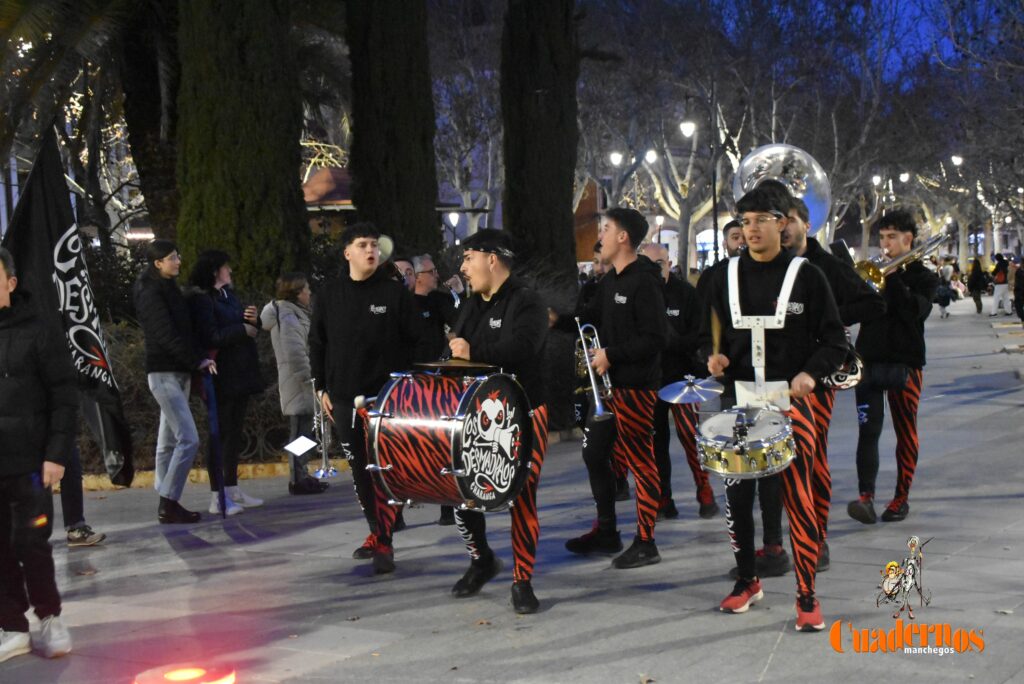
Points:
[716,333]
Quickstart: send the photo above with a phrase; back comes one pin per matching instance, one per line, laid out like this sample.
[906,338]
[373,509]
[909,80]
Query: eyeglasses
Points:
[760,221]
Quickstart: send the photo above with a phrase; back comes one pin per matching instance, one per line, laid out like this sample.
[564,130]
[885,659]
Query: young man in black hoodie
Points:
[629,313]
[779,324]
[364,327]
[683,311]
[894,355]
[857,303]
[38,419]
[504,324]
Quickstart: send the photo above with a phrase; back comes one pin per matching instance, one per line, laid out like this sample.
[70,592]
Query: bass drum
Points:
[451,440]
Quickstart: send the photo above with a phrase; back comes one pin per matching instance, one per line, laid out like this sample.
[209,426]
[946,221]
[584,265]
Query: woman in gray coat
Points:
[287,319]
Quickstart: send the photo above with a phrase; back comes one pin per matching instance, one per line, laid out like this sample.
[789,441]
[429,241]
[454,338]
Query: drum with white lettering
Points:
[448,439]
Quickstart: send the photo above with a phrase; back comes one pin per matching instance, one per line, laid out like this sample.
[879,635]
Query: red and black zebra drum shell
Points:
[451,440]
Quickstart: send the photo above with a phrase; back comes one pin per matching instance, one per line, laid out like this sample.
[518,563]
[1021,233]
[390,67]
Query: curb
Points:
[252,471]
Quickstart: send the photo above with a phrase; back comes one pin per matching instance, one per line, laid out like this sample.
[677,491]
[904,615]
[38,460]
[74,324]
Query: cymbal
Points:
[456,366]
[690,391]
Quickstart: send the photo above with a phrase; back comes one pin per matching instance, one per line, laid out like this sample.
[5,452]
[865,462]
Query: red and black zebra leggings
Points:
[525,522]
[821,402]
[685,418]
[796,499]
[903,403]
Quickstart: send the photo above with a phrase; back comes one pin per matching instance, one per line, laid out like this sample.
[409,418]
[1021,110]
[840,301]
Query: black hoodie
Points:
[683,309]
[38,391]
[813,339]
[898,336]
[361,331]
[629,313]
[856,300]
[509,331]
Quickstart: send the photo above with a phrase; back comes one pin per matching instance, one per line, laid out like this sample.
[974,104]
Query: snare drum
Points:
[451,440]
[746,443]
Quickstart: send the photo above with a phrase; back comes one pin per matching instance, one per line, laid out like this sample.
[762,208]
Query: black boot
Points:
[524,601]
[307,485]
[447,516]
[480,573]
[171,512]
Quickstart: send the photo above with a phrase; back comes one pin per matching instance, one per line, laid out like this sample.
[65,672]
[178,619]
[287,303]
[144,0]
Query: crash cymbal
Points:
[461,366]
[690,391]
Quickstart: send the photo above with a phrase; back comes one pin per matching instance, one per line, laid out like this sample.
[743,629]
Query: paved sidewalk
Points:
[275,593]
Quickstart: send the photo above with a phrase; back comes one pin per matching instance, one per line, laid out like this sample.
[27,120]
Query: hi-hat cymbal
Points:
[690,391]
[456,365]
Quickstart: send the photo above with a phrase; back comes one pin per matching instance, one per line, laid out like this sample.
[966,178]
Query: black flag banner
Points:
[47,248]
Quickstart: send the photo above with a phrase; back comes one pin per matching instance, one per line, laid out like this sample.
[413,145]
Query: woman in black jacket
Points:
[171,358]
[976,283]
[227,331]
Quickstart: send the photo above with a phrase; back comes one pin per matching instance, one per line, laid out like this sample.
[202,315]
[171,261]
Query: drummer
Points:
[809,344]
[504,323]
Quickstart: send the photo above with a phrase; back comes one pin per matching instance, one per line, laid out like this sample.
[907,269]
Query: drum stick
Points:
[716,333]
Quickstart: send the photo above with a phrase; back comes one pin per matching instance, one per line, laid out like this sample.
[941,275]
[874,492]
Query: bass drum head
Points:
[493,442]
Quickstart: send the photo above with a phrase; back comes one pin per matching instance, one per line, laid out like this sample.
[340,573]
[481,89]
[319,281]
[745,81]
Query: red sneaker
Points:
[808,615]
[365,552]
[744,594]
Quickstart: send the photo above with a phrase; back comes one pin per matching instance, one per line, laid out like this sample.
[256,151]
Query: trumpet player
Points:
[679,359]
[363,328]
[894,356]
[629,313]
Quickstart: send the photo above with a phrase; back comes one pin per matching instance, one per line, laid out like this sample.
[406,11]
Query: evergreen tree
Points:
[539,69]
[239,123]
[394,179]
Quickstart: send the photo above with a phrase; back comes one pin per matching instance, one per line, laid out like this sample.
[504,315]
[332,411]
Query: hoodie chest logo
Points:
[495,323]
[672,312]
[620,299]
[795,308]
[378,310]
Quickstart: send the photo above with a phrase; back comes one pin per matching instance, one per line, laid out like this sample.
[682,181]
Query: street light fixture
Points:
[615,158]
[957,160]
[876,180]
[687,128]
[659,220]
[1008,219]
[904,177]
[453,218]
[651,156]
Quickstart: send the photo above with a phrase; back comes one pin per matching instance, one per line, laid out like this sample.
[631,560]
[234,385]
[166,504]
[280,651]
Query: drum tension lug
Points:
[396,502]
[457,472]
[374,468]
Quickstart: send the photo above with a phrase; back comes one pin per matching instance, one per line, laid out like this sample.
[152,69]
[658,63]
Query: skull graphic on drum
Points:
[491,446]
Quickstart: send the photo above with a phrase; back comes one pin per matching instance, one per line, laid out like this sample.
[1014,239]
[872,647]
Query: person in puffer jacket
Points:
[287,320]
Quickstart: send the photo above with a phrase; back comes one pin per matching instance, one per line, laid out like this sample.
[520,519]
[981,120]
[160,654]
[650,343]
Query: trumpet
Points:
[590,341]
[874,271]
[322,434]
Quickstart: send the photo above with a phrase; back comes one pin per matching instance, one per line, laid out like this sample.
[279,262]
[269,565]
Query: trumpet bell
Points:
[797,170]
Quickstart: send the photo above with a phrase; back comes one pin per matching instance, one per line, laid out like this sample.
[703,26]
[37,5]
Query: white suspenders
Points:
[758,324]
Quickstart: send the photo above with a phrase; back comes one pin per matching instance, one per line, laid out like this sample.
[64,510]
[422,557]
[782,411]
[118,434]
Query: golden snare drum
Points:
[746,443]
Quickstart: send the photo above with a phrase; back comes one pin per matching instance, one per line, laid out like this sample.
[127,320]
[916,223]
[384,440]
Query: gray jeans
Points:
[177,441]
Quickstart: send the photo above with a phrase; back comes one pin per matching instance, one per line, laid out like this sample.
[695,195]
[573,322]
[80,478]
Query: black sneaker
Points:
[399,522]
[862,510]
[383,559]
[772,561]
[447,516]
[524,601]
[596,541]
[171,512]
[480,573]
[365,552]
[896,510]
[668,510]
[639,554]
[307,485]
[84,536]
[622,490]
[824,562]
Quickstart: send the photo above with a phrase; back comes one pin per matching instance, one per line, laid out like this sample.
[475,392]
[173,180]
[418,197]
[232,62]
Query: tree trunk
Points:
[539,70]
[149,78]
[239,124]
[394,177]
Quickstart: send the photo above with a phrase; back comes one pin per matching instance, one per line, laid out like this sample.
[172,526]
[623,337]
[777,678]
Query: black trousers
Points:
[231,419]
[351,433]
[27,575]
[72,499]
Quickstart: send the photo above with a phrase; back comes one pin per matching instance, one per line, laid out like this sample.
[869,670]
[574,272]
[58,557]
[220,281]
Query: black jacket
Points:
[166,323]
[898,336]
[38,391]
[509,331]
[683,311]
[629,313]
[218,319]
[361,332]
[436,310]
[857,301]
[813,339]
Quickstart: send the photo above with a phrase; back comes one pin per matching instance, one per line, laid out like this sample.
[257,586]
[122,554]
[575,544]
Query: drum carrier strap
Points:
[758,324]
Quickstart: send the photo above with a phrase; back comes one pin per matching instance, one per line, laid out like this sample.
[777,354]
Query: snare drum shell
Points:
[769,455]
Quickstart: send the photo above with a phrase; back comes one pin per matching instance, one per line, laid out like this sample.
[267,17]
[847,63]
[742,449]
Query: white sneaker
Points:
[54,638]
[13,644]
[232,507]
[243,499]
